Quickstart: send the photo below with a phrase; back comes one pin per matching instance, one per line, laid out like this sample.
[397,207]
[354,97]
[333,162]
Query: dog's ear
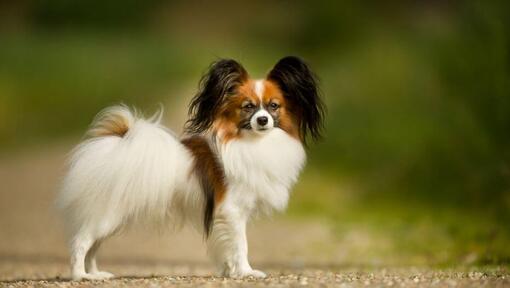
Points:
[299,86]
[222,79]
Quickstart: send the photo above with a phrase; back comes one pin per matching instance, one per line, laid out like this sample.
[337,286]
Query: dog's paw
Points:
[103,275]
[257,274]
[99,275]
[248,273]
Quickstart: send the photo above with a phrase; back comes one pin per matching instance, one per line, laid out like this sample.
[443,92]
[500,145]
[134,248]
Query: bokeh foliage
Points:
[418,96]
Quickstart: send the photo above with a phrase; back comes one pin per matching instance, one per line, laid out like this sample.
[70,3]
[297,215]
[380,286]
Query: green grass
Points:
[51,86]
[376,230]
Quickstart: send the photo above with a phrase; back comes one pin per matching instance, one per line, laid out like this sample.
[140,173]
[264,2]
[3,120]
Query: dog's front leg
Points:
[228,245]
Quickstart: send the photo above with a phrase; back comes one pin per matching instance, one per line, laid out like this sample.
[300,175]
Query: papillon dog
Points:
[242,151]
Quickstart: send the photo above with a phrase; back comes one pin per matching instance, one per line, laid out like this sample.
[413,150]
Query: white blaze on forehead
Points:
[259,88]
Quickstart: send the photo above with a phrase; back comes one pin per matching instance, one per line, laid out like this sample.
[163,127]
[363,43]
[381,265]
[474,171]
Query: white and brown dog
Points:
[242,152]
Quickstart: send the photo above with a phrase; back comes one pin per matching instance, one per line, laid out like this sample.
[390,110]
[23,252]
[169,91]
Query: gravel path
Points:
[33,251]
[303,277]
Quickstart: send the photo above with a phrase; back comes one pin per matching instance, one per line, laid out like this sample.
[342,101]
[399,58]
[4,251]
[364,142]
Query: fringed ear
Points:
[222,79]
[299,86]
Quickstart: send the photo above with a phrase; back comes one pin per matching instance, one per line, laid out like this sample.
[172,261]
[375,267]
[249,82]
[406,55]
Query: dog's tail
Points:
[128,168]
[112,121]
[116,121]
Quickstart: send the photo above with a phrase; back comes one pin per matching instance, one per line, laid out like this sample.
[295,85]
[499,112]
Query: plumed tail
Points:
[128,170]
[112,121]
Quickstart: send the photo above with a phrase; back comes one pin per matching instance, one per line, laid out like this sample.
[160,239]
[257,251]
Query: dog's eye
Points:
[274,105]
[248,106]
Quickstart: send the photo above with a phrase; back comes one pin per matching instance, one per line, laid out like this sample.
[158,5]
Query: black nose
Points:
[262,120]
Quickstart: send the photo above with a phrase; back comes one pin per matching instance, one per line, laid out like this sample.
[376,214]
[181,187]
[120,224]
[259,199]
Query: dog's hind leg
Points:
[91,262]
[80,247]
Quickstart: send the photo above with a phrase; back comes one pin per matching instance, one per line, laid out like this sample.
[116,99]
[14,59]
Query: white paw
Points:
[248,273]
[100,275]
[103,275]
[257,274]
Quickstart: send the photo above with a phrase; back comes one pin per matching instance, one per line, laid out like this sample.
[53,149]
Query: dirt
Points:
[295,277]
[294,253]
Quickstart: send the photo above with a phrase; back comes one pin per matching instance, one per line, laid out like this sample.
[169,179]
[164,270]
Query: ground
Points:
[294,253]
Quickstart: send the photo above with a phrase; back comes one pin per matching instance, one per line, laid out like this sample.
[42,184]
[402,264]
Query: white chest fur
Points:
[260,170]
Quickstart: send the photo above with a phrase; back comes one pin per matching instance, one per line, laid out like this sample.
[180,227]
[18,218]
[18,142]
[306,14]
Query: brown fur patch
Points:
[286,122]
[227,123]
[210,175]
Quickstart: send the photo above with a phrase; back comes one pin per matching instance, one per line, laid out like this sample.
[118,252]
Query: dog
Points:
[243,150]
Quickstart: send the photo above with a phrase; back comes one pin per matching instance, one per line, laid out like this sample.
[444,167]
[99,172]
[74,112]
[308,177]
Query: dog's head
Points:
[232,105]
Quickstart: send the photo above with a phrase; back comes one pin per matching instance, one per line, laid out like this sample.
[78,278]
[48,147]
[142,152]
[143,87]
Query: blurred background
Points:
[414,168]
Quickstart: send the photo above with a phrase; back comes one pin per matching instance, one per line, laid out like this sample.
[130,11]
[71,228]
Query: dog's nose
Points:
[262,120]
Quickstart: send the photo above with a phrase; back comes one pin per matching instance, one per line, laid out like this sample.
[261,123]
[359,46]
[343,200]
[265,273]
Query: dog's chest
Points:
[260,171]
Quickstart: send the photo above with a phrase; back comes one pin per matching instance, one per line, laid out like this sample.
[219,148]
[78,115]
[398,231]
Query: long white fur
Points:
[146,175]
[259,169]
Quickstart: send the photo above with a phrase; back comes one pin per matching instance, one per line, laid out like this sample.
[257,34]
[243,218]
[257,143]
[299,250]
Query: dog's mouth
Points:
[263,130]
[256,128]
[249,127]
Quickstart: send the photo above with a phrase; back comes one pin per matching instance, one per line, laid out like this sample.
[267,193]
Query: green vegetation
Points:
[390,231]
[416,153]
[50,85]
